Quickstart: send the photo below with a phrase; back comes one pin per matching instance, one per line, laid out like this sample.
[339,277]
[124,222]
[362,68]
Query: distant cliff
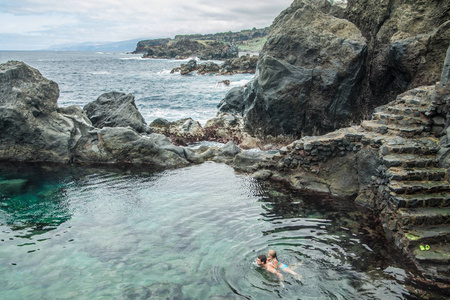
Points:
[250,40]
[185,48]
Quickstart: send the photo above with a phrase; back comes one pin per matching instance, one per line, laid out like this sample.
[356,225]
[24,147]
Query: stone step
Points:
[425,216]
[423,201]
[423,235]
[410,161]
[416,174]
[423,92]
[404,131]
[414,187]
[393,119]
[434,262]
[412,101]
[403,109]
[422,146]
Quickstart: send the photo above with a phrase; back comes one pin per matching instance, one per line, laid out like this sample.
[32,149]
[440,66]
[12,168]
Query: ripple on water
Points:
[191,233]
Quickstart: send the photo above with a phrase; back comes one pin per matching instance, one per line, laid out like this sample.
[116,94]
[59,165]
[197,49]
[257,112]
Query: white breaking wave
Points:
[100,73]
[241,82]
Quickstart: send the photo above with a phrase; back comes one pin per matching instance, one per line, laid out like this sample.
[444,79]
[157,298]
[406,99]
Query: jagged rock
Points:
[309,71]
[34,128]
[160,122]
[207,68]
[31,127]
[114,145]
[230,149]
[116,109]
[262,174]
[407,41]
[232,103]
[228,127]
[445,75]
[189,67]
[181,132]
[317,73]
[238,65]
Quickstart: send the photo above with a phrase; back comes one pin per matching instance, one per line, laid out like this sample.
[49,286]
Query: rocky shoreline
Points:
[35,129]
[311,106]
[245,64]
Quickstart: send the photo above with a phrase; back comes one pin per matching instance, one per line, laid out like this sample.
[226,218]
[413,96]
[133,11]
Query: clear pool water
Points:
[76,232]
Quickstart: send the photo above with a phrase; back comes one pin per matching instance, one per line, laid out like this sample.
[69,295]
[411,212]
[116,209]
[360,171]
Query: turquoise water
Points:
[192,233]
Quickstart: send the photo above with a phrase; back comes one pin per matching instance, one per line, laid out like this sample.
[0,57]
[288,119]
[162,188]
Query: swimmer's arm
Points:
[280,276]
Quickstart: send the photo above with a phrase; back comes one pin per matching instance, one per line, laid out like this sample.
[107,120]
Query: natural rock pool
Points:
[73,232]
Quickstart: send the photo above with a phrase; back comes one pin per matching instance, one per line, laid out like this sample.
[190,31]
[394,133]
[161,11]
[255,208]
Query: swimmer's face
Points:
[258,262]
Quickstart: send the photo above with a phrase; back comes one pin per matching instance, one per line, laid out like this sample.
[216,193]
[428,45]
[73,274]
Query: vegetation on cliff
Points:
[222,45]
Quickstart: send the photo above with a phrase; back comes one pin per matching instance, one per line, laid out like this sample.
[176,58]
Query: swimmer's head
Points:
[272,253]
[261,260]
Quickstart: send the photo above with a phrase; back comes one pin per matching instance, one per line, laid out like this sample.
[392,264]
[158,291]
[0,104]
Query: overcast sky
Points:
[38,24]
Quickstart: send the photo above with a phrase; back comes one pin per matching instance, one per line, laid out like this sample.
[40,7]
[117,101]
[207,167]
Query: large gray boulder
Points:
[116,109]
[32,128]
[308,75]
[233,101]
[121,145]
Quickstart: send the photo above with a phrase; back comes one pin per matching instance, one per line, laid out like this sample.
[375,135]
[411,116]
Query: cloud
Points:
[21,24]
[59,21]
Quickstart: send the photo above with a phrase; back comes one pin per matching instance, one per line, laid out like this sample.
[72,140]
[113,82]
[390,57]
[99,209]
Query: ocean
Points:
[132,232]
[83,76]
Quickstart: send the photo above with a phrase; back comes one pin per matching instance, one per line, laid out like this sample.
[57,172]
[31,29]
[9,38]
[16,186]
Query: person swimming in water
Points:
[273,261]
[261,261]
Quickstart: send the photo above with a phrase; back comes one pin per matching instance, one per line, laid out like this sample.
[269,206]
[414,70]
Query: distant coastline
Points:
[249,40]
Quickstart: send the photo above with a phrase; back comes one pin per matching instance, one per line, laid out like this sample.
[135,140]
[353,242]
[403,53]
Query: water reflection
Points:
[320,234]
[191,233]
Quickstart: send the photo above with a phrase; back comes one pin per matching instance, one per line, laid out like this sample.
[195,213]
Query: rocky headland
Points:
[354,100]
[184,46]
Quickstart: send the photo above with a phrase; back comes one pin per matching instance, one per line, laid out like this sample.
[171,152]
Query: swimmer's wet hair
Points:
[272,253]
[262,258]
